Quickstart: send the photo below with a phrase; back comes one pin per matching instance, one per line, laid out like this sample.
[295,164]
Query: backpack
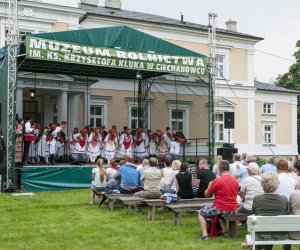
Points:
[214,227]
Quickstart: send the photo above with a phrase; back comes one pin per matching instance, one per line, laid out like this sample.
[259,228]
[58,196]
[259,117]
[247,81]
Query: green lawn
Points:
[65,220]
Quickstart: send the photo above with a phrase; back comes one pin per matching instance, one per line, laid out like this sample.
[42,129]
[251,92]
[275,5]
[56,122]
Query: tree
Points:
[291,80]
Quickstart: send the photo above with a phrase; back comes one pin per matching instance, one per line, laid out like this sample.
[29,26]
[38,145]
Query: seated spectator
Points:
[145,165]
[237,169]
[166,171]
[129,177]
[172,186]
[269,166]
[151,178]
[287,184]
[251,186]
[98,179]
[270,203]
[216,167]
[249,158]
[225,189]
[111,172]
[184,182]
[297,171]
[204,177]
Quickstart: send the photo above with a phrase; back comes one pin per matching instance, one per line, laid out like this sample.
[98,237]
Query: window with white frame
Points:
[219,127]
[268,134]
[177,120]
[133,114]
[268,108]
[179,116]
[98,110]
[221,66]
[96,115]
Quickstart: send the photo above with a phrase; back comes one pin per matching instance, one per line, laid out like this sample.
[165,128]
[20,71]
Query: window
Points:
[99,110]
[96,115]
[133,117]
[221,66]
[179,116]
[177,120]
[268,134]
[268,108]
[219,127]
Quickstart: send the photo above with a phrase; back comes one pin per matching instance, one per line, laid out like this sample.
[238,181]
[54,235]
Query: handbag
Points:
[29,137]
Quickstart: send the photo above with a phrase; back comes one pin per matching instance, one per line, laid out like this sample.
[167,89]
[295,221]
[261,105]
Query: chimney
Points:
[115,4]
[90,2]
[231,25]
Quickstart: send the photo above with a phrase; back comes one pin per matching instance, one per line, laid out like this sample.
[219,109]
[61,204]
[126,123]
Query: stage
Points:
[37,178]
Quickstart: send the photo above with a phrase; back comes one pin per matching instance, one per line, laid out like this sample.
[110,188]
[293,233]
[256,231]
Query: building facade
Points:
[265,115]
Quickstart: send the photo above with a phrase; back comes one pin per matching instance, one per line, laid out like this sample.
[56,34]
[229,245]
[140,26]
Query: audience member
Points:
[269,166]
[129,177]
[98,179]
[111,172]
[166,171]
[151,178]
[237,169]
[184,182]
[204,177]
[145,165]
[286,183]
[225,189]
[251,186]
[216,167]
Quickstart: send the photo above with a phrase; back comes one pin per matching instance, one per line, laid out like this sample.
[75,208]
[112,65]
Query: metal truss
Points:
[212,80]
[12,42]
[143,101]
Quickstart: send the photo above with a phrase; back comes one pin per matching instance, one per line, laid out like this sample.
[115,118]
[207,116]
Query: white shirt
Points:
[251,186]
[28,128]
[287,184]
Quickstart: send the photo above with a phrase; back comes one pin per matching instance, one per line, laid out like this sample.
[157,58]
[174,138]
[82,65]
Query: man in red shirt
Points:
[225,189]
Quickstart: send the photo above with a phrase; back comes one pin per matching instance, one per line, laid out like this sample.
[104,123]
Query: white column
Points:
[251,123]
[294,124]
[250,67]
[19,102]
[62,106]
[72,112]
[86,110]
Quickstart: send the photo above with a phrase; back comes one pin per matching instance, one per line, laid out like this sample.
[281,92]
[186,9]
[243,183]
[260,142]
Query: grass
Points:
[65,220]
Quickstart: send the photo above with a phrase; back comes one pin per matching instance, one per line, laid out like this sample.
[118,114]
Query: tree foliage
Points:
[291,79]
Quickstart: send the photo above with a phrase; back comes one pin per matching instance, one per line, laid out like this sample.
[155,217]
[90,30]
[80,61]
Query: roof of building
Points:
[151,18]
[271,87]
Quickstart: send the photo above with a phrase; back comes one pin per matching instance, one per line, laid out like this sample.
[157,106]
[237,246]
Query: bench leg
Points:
[127,209]
[232,229]
[177,218]
[138,208]
[151,213]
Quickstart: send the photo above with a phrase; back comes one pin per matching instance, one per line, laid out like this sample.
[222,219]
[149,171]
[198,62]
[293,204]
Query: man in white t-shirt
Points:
[237,169]
[287,184]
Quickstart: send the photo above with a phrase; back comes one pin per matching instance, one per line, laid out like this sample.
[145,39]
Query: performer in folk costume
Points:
[81,141]
[94,141]
[51,142]
[151,143]
[60,138]
[73,141]
[43,149]
[103,133]
[19,141]
[111,145]
[141,143]
[175,140]
[162,146]
[33,151]
[126,141]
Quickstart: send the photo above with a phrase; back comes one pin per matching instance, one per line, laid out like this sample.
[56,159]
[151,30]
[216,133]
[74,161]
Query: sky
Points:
[277,21]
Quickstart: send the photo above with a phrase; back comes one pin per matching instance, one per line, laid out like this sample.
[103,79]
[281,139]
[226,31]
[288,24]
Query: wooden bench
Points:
[113,199]
[267,224]
[131,201]
[185,207]
[232,221]
[153,203]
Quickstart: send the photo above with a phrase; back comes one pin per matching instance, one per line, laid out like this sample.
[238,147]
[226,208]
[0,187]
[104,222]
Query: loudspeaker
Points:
[78,159]
[227,153]
[229,119]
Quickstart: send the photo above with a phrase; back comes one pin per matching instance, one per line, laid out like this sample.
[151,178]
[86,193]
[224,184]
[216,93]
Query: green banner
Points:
[51,50]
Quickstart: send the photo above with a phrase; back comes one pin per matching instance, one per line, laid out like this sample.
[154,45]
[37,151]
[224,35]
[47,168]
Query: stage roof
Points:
[121,52]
